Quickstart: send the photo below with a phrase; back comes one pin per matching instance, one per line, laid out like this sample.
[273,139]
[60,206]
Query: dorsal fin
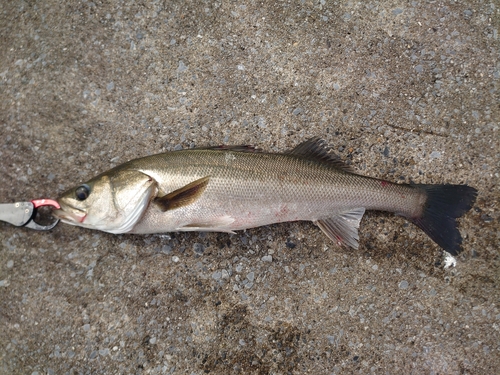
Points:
[237,148]
[317,149]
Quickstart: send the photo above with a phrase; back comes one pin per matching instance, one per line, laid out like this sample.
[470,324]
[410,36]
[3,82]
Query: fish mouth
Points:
[76,216]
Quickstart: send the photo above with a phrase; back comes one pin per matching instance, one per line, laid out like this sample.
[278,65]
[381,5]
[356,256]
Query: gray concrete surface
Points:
[404,90]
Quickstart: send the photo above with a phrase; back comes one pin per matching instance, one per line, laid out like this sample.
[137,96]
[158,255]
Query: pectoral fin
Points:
[183,196]
[343,228]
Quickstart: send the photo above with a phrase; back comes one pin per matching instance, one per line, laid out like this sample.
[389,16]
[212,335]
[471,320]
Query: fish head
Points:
[112,202]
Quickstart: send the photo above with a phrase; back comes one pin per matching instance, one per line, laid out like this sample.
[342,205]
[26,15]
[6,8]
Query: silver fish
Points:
[229,188]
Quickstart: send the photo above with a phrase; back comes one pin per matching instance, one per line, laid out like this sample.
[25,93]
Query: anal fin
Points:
[183,196]
[343,227]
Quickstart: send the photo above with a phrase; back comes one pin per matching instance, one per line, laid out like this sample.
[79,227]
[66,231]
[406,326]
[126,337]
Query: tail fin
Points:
[445,203]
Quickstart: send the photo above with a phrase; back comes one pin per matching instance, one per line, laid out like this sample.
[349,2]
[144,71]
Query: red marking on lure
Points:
[45,202]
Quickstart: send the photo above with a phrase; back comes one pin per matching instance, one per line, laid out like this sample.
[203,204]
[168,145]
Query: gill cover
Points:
[112,202]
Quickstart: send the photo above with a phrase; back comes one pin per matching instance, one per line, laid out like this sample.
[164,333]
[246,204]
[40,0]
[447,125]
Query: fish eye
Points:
[82,192]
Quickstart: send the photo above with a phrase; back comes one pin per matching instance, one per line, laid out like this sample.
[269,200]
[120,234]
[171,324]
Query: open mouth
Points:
[69,217]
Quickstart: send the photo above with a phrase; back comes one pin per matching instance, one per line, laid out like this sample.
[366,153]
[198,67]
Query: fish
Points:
[231,188]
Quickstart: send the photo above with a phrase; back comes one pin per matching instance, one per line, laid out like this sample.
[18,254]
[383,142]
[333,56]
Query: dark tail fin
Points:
[445,203]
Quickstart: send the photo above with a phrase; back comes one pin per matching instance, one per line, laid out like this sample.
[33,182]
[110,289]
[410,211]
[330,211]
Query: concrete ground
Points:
[404,90]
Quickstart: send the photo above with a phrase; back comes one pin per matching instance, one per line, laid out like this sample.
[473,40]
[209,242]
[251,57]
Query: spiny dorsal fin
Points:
[183,196]
[343,228]
[317,149]
[236,148]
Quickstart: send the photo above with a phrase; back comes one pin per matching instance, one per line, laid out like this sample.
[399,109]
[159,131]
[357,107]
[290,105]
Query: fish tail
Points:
[444,204]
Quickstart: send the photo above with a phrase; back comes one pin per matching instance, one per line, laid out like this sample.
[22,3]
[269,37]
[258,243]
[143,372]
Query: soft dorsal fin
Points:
[183,196]
[317,149]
